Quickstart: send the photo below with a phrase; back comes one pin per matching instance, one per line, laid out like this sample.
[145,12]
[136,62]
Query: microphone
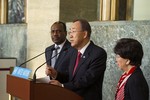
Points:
[36,56]
[34,75]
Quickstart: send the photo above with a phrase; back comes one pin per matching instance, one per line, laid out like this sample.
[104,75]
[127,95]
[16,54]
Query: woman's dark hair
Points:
[131,49]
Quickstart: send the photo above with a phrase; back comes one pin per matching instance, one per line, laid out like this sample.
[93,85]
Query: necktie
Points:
[77,62]
[54,55]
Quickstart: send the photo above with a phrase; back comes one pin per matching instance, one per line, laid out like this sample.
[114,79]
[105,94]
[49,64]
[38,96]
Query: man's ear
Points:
[128,62]
[85,34]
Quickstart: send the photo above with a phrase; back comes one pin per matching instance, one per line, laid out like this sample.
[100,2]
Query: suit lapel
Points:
[84,57]
[50,54]
[73,61]
[62,54]
[59,59]
[82,60]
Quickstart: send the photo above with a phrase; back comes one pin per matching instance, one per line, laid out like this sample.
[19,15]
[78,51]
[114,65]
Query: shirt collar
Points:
[60,46]
[84,48]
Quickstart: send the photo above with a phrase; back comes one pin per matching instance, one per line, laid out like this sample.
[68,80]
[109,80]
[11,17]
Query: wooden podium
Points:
[27,90]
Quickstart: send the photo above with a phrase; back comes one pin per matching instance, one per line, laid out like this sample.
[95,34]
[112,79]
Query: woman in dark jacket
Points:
[132,84]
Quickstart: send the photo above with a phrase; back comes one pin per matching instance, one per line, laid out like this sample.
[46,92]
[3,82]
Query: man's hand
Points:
[51,72]
[55,82]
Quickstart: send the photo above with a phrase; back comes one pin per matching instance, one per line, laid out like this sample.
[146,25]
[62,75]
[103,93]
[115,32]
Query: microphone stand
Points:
[35,57]
[34,75]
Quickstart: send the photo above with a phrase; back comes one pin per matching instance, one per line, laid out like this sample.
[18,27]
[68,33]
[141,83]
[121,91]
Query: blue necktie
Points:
[54,55]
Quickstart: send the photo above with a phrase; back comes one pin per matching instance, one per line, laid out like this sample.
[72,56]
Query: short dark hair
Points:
[85,25]
[63,24]
[131,49]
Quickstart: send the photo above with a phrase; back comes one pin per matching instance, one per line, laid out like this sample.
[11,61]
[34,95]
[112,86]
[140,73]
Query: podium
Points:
[27,90]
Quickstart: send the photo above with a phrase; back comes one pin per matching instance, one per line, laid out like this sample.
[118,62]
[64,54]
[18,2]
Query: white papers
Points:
[45,79]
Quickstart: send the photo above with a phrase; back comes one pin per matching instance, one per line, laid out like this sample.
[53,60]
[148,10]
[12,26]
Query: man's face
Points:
[58,34]
[76,35]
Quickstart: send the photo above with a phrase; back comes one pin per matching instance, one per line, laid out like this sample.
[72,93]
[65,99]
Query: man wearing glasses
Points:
[87,66]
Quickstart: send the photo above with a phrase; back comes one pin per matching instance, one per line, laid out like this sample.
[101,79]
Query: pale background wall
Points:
[141,10]
[40,15]
[5,63]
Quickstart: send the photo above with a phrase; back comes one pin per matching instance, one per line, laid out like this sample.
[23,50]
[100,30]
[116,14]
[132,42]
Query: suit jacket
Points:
[62,62]
[136,87]
[88,78]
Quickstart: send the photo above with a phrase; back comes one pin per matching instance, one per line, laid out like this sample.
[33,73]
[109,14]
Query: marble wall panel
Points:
[13,41]
[105,34]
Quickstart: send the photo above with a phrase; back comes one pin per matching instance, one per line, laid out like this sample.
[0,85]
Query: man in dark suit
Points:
[62,45]
[86,71]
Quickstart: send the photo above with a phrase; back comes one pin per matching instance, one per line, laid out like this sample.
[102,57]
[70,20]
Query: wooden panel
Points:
[28,90]
[53,92]
[18,87]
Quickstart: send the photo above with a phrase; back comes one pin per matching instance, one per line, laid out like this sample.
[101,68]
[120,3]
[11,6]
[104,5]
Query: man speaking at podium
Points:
[59,50]
[87,66]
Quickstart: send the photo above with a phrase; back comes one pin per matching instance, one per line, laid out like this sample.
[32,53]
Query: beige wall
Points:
[141,10]
[40,15]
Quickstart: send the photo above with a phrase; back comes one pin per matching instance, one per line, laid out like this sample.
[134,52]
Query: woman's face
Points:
[121,62]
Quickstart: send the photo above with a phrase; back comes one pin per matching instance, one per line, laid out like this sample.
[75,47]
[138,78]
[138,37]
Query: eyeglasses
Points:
[70,32]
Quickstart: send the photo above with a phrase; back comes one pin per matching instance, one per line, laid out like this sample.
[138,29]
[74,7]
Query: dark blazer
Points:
[88,78]
[62,62]
[136,87]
